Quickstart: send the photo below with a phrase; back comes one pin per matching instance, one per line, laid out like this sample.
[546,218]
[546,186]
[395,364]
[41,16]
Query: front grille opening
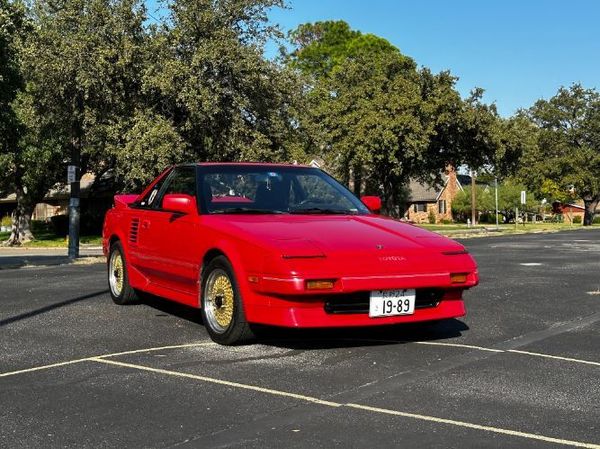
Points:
[358,302]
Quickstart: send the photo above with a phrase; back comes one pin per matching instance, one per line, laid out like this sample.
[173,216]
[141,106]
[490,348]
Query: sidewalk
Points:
[17,257]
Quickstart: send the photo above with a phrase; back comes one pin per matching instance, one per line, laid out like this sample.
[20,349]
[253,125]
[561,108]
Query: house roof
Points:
[420,192]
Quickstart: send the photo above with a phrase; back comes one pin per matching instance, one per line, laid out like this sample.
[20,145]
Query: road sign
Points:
[71,173]
[523,197]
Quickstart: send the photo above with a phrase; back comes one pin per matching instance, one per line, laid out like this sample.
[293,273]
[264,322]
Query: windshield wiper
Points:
[322,210]
[246,210]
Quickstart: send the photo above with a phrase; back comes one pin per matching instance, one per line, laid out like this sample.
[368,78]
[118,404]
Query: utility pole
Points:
[74,200]
[473,202]
[496,185]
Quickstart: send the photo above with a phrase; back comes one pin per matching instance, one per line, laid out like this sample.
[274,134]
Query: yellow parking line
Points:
[515,351]
[497,430]
[458,345]
[515,433]
[114,354]
[160,348]
[219,381]
[38,368]
[548,356]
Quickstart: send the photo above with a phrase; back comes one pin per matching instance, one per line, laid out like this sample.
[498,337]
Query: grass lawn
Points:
[45,239]
[455,228]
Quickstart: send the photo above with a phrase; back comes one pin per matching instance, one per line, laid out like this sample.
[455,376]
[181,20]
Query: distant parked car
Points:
[281,245]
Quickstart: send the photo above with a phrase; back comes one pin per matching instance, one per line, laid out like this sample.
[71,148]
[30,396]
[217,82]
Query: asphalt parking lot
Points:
[522,370]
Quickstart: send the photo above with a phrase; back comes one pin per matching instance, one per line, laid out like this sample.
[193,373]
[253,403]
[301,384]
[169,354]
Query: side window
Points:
[182,180]
[150,197]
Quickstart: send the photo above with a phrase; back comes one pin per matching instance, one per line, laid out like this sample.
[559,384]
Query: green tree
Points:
[568,146]
[81,65]
[319,47]
[209,79]
[14,27]
[378,120]
[509,198]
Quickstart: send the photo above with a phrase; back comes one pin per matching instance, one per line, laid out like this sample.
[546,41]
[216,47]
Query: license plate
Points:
[392,302]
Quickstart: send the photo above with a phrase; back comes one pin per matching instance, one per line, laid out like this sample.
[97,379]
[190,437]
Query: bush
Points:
[432,219]
[596,219]
[60,225]
[446,221]
[6,221]
[577,219]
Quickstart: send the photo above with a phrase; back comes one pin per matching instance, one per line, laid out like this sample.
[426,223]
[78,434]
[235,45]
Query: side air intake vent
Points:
[133,231]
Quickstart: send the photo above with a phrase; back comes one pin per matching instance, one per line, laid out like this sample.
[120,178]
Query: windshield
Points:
[274,190]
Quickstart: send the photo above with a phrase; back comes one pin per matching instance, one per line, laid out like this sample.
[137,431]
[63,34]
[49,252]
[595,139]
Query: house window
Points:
[420,207]
[442,206]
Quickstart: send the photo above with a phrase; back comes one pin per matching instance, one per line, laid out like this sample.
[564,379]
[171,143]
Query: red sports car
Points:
[282,245]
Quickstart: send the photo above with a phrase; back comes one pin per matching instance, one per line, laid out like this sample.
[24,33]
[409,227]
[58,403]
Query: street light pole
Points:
[496,185]
[74,200]
[473,202]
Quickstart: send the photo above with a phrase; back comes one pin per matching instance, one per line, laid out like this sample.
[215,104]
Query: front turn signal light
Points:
[320,284]
[458,278]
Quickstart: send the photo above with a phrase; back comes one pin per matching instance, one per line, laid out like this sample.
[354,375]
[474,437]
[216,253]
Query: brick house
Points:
[437,199]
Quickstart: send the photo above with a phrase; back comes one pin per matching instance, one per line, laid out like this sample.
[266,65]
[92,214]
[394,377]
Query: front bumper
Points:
[314,311]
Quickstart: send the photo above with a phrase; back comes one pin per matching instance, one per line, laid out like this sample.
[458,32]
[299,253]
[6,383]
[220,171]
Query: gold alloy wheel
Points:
[116,273]
[219,300]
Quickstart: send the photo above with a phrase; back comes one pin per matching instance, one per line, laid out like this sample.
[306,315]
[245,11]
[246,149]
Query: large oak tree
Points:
[378,119]
[567,154]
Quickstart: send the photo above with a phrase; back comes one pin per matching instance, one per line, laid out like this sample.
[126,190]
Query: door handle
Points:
[145,224]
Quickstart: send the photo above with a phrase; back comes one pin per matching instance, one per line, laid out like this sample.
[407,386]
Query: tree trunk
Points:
[357,180]
[590,210]
[21,221]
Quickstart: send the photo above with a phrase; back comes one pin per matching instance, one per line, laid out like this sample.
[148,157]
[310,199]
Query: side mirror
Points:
[180,203]
[372,202]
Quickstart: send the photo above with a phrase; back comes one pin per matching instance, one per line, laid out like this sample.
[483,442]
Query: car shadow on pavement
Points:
[327,338]
[171,308]
[50,307]
[306,339]
[11,262]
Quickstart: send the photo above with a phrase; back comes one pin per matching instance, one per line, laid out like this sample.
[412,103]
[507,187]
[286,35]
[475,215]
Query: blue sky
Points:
[518,51]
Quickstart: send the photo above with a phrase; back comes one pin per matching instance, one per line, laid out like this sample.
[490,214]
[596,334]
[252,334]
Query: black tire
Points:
[125,294]
[237,330]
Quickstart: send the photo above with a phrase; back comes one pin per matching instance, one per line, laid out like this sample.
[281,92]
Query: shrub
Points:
[577,219]
[596,219]
[485,218]
[60,225]
[446,221]
[432,219]
[6,221]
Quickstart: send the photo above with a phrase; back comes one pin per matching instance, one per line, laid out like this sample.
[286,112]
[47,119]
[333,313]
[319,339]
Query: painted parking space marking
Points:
[105,359]
[192,345]
[43,367]
[315,400]
[530,264]
[513,351]
[213,380]
[452,422]
[458,345]
[556,357]
[114,354]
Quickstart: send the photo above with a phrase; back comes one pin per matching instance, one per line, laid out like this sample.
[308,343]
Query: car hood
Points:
[360,244]
[334,233]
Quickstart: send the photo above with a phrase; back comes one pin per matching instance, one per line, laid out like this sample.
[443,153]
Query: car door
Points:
[138,239]
[171,239]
